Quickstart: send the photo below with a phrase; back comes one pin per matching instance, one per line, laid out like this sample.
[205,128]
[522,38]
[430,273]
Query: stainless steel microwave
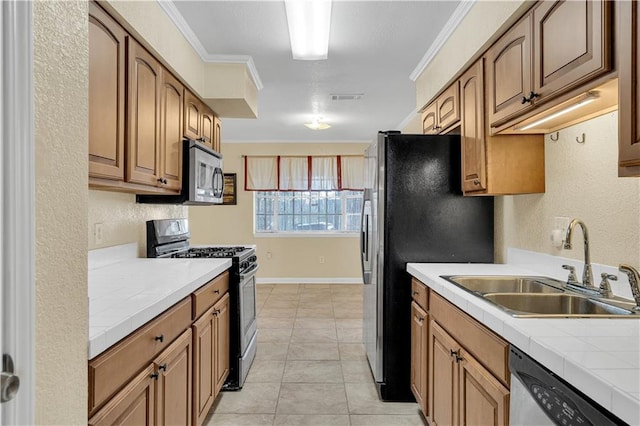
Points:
[202,178]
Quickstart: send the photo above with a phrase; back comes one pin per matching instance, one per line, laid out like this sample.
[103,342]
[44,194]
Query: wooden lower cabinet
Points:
[462,391]
[483,400]
[419,356]
[211,357]
[134,405]
[174,382]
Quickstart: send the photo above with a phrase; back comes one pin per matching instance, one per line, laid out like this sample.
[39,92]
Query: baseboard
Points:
[309,281]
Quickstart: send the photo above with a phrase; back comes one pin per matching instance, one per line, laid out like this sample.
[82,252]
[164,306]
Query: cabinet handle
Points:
[454,353]
[421,319]
[216,291]
[163,367]
[155,376]
[160,338]
[162,180]
[415,292]
[459,358]
[476,181]
[530,98]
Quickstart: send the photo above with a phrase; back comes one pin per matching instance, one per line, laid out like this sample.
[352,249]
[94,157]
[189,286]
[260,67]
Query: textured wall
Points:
[582,182]
[61,109]
[123,220]
[476,29]
[290,257]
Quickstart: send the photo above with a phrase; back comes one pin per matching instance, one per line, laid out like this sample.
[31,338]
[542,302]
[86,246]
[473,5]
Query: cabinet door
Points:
[134,405]
[217,134]
[419,355]
[203,366]
[192,116]
[443,376]
[448,107]
[107,75]
[143,136]
[221,333]
[483,399]
[171,132]
[174,384]
[572,44]
[208,126]
[472,135]
[629,84]
[509,73]
[430,120]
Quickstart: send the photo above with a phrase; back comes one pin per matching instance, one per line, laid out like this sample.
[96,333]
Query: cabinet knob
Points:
[155,376]
[162,180]
[415,292]
[216,291]
[476,181]
[421,319]
[159,338]
[163,367]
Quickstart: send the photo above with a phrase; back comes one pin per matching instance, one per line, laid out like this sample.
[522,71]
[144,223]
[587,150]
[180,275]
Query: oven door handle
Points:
[251,272]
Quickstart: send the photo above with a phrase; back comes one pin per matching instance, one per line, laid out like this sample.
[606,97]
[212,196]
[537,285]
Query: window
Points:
[307,211]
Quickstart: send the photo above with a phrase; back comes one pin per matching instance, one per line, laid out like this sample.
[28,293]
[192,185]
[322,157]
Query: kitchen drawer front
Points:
[420,294]
[207,295]
[111,370]
[490,350]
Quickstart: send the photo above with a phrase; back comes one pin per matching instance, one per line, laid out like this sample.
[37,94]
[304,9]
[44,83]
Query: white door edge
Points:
[18,206]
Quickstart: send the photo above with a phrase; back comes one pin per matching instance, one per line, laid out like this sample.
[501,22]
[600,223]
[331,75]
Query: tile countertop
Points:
[601,357]
[125,292]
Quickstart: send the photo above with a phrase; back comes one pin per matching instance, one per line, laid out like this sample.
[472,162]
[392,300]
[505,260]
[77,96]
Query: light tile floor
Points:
[310,368]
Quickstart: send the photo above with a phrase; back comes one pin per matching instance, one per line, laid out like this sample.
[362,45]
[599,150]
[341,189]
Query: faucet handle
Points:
[634,282]
[605,286]
[573,278]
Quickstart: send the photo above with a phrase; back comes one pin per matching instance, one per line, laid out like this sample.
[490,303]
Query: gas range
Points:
[169,238]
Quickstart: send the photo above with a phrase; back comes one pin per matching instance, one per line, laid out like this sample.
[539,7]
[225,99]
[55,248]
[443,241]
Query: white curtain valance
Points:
[304,173]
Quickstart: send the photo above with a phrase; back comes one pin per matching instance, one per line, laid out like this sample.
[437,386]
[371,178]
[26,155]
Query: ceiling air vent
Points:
[347,97]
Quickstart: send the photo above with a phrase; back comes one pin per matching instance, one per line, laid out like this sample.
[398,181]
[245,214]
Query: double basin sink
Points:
[535,297]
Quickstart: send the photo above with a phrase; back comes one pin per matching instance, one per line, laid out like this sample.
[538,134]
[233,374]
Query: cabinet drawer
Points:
[490,350]
[111,370]
[420,294]
[204,297]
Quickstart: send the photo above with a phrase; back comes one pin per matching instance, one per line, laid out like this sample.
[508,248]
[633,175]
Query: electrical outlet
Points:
[561,222]
[98,233]
[321,259]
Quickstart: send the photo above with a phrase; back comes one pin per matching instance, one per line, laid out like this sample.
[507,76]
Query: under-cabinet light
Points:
[309,23]
[587,98]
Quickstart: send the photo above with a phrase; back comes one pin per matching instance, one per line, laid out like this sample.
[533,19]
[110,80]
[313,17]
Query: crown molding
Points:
[176,17]
[448,29]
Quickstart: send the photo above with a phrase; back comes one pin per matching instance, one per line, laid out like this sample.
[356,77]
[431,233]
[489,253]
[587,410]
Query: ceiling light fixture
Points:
[585,99]
[316,124]
[309,23]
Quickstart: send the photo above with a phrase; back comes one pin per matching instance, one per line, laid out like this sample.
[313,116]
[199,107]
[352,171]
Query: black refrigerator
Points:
[413,211]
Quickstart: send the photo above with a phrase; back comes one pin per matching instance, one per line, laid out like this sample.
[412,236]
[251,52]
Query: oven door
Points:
[247,307]
[206,180]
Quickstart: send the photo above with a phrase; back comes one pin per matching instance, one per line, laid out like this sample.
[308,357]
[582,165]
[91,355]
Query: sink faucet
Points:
[634,280]
[587,275]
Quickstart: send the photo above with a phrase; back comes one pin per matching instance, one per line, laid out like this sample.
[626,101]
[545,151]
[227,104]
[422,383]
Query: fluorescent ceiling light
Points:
[316,124]
[587,98]
[309,24]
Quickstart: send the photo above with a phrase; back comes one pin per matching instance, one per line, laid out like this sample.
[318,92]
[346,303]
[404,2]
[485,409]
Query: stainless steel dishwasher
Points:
[539,397]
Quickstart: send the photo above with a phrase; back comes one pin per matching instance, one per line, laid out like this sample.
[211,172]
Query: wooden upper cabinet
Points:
[143,130]
[217,134]
[509,73]
[107,74]
[442,114]
[572,44]
[208,126]
[171,131]
[192,116]
[629,85]
[472,134]
[430,119]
